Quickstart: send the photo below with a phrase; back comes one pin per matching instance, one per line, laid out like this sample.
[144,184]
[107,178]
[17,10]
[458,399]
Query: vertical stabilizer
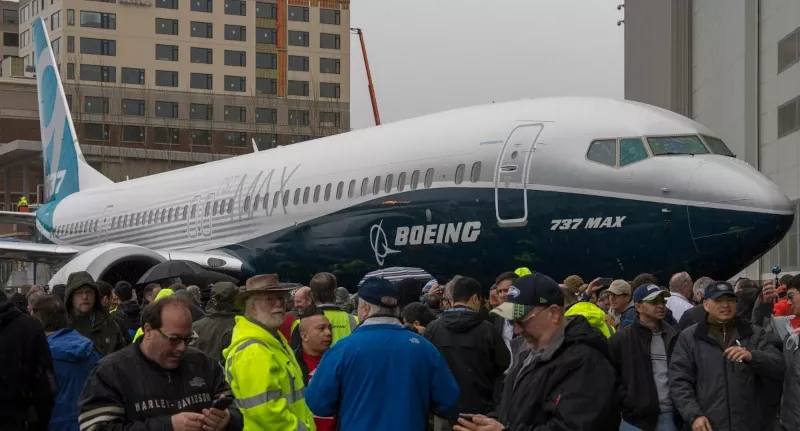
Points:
[65,170]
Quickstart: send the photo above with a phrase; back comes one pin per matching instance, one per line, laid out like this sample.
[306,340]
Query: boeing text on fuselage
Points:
[440,233]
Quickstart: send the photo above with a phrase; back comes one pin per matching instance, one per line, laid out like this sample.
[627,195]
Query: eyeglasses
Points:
[524,320]
[175,340]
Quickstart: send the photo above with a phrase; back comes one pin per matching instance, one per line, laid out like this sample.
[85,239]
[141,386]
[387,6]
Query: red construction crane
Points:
[369,76]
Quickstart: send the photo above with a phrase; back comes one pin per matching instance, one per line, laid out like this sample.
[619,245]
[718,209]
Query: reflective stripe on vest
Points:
[256,400]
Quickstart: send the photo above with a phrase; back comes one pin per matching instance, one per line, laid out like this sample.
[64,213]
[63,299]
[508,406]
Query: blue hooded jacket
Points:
[74,356]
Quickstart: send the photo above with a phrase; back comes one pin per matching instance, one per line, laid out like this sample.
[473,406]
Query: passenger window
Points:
[604,152]
[428,178]
[296,196]
[265,205]
[339,189]
[276,199]
[364,186]
[401,182]
[414,180]
[475,172]
[316,193]
[256,202]
[631,151]
[169,216]
[138,218]
[230,206]
[194,210]
[327,192]
[376,185]
[351,191]
[305,195]
[247,203]
[216,207]
[286,199]
[150,216]
[460,173]
[208,211]
[388,187]
[113,224]
[185,211]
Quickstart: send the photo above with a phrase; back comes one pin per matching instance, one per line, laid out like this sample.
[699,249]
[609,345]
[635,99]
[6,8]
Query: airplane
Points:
[564,185]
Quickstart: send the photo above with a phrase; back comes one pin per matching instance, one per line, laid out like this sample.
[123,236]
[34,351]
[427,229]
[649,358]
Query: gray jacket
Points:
[790,406]
[705,383]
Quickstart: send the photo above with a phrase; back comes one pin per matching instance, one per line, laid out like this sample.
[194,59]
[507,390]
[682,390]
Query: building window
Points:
[330,65]
[267,35]
[298,38]
[266,61]
[788,121]
[55,20]
[199,111]
[235,83]
[166,78]
[165,135]
[166,26]
[235,58]
[234,139]
[98,20]
[201,137]
[235,7]
[295,139]
[266,10]
[202,29]
[10,39]
[70,71]
[92,72]
[330,90]
[56,43]
[298,117]
[329,41]
[166,52]
[70,43]
[298,63]
[166,109]
[25,37]
[132,76]
[236,114]
[266,86]
[265,141]
[95,132]
[10,16]
[788,50]
[132,134]
[202,6]
[90,45]
[167,4]
[70,16]
[329,119]
[266,116]
[235,32]
[201,81]
[298,88]
[330,16]
[95,105]
[201,55]
[298,13]
[133,107]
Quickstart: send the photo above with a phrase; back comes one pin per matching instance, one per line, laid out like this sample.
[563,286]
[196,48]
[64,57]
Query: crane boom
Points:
[369,76]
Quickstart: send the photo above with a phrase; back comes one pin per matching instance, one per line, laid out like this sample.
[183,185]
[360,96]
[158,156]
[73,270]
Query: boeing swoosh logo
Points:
[379,243]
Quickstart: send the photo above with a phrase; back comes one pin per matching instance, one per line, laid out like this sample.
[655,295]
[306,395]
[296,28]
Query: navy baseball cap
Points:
[527,292]
[379,291]
[648,292]
[717,289]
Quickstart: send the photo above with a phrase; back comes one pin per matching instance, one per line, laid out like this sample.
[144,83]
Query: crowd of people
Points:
[533,354]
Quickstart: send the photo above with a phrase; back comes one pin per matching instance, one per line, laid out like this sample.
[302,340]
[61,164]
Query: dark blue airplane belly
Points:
[455,231]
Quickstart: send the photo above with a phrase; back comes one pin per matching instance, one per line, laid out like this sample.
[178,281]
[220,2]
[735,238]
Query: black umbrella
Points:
[189,273]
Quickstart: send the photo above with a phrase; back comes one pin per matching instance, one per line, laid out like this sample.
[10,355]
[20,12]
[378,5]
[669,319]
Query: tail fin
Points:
[65,169]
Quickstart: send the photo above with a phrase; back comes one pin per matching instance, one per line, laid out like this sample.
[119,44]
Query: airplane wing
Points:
[16,217]
[33,252]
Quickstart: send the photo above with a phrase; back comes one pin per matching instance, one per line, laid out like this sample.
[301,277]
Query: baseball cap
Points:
[717,289]
[648,292]
[379,291]
[574,282]
[428,285]
[224,292]
[527,292]
[620,287]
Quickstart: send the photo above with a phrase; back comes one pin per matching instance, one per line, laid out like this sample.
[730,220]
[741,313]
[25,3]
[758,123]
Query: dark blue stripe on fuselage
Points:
[653,237]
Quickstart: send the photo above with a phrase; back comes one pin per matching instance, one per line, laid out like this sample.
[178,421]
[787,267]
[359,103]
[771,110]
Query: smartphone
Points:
[606,281]
[222,403]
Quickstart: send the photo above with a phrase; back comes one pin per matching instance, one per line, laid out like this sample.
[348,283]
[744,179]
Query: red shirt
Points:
[781,308]
[286,327]
[323,424]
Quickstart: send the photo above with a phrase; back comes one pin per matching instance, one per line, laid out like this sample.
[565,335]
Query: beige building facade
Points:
[9,29]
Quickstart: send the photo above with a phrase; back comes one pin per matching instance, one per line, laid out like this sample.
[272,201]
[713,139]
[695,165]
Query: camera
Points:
[776,269]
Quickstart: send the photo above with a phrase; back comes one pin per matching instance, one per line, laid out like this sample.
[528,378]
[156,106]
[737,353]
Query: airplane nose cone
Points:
[738,214]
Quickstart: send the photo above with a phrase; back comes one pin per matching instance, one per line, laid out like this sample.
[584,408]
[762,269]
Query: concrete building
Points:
[9,29]
[734,66]
[206,75]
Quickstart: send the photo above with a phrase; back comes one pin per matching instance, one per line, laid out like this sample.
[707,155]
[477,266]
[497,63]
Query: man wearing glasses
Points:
[159,382]
[565,380]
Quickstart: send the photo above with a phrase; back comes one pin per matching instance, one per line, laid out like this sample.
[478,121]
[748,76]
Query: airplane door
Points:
[511,175]
[105,222]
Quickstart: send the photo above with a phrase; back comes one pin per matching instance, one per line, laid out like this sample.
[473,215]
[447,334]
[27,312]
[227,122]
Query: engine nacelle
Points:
[111,263]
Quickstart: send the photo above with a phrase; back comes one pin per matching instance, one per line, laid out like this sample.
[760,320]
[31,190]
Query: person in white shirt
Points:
[680,285]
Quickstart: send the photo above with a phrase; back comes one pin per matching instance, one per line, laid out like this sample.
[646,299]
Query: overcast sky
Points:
[431,55]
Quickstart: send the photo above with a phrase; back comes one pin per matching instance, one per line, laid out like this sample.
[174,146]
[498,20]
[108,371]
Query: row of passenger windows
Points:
[223,207]
[631,150]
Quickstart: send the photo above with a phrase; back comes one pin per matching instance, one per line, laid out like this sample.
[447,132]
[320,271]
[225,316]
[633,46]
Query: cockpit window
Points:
[717,146]
[672,145]
[604,152]
[631,150]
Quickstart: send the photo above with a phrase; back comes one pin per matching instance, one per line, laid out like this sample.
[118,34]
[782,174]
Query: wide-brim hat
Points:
[265,283]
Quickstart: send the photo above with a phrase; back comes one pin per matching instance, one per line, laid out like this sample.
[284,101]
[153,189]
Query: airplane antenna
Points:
[255,147]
